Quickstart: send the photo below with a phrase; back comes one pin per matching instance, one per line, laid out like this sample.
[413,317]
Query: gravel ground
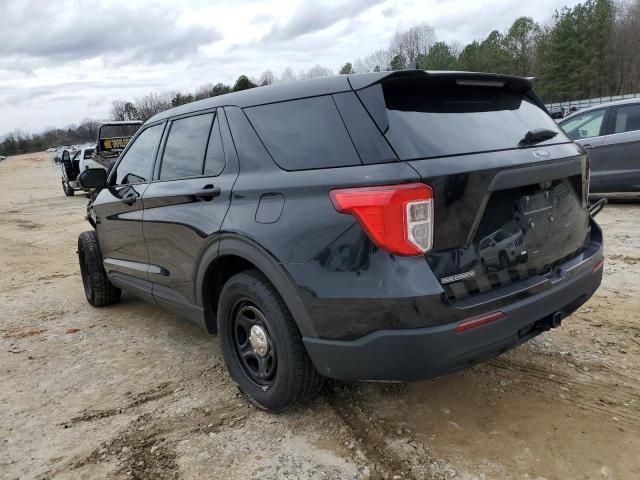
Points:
[131,391]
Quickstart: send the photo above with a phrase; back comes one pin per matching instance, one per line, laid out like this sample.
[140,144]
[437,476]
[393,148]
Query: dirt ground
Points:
[133,392]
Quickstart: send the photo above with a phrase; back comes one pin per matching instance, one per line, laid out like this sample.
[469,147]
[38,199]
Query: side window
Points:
[186,144]
[583,126]
[304,134]
[371,145]
[627,119]
[214,161]
[135,166]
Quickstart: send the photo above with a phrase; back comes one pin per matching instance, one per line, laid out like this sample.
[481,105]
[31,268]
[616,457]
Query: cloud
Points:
[312,16]
[389,12]
[262,18]
[116,33]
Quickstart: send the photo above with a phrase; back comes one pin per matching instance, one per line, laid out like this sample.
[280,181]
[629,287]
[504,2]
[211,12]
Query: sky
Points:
[64,61]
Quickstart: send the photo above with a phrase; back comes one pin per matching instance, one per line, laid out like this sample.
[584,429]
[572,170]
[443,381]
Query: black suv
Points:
[382,226]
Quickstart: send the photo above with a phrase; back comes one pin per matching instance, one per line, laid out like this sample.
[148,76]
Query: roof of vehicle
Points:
[626,101]
[329,85]
[121,122]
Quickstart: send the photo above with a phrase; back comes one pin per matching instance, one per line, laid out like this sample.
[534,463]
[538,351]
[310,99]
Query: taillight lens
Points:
[397,218]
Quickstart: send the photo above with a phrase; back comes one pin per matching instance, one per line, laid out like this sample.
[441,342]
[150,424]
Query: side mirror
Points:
[93,178]
[66,158]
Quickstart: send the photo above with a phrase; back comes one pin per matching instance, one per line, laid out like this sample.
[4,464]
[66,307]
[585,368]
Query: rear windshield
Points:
[423,119]
[115,131]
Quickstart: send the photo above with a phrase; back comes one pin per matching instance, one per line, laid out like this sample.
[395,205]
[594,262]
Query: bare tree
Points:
[267,78]
[122,110]
[149,105]
[623,57]
[288,75]
[378,60]
[203,91]
[318,71]
[415,41]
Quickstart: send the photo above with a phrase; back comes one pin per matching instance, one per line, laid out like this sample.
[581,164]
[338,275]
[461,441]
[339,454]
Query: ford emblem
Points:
[541,153]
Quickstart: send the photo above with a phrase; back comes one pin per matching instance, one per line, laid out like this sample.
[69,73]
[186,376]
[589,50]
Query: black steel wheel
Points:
[261,344]
[254,347]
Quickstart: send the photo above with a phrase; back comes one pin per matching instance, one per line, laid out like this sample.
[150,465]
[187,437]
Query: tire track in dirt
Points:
[391,450]
[89,415]
[620,402]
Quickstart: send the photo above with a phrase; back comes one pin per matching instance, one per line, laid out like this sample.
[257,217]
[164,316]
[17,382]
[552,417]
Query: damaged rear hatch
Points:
[510,189]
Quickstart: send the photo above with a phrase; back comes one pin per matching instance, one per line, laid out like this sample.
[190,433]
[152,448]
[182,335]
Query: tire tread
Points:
[104,292]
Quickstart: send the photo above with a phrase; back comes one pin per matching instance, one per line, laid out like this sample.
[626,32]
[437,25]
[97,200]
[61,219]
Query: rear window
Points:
[87,153]
[304,134]
[114,131]
[627,119]
[424,118]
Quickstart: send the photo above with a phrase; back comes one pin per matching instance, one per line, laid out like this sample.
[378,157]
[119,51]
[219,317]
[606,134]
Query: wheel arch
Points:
[232,254]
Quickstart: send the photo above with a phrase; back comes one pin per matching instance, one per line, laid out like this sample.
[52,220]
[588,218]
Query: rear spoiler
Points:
[523,85]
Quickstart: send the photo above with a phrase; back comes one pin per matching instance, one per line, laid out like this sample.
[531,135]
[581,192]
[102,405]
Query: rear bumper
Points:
[420,353]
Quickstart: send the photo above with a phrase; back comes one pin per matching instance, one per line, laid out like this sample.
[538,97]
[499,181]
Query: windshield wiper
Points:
[535,136]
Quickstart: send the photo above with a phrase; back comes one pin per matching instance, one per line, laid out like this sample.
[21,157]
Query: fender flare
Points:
[228,244]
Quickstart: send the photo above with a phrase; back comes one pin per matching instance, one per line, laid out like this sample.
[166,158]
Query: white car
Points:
[72,163]
[502,249]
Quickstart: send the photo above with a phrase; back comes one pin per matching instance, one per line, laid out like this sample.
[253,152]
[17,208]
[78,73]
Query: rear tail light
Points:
[397,218]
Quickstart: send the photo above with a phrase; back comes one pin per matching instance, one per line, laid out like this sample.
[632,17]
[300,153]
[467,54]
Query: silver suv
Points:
[611,134]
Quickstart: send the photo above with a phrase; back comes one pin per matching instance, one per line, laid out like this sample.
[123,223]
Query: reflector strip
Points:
[598,266]
[479,321]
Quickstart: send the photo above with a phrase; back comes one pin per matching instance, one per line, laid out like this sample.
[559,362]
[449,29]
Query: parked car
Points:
[331,228]
[611,134]
[556,113]
[502,249]
[71,164]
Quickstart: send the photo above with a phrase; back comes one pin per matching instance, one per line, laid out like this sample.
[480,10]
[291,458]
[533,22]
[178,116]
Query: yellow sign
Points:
[111,143]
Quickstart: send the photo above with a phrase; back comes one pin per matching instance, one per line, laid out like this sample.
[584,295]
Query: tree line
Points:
[589,50]
[20,142]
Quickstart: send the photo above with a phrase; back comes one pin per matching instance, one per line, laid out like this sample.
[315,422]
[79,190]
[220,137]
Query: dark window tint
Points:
[432,118]
[251,152]
[304,134]
[500,235]
[136,163]
[214,163]
[627,119]
[184,151]
[115,131]
[87,153]
[371,145]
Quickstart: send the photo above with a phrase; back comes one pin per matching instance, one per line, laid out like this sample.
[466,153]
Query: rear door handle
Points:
[208,192]
[587,146]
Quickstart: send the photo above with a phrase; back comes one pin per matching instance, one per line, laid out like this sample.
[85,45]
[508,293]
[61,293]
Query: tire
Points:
[485,268]
[68,191]
[248,299]
[97,287]
[504,261]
